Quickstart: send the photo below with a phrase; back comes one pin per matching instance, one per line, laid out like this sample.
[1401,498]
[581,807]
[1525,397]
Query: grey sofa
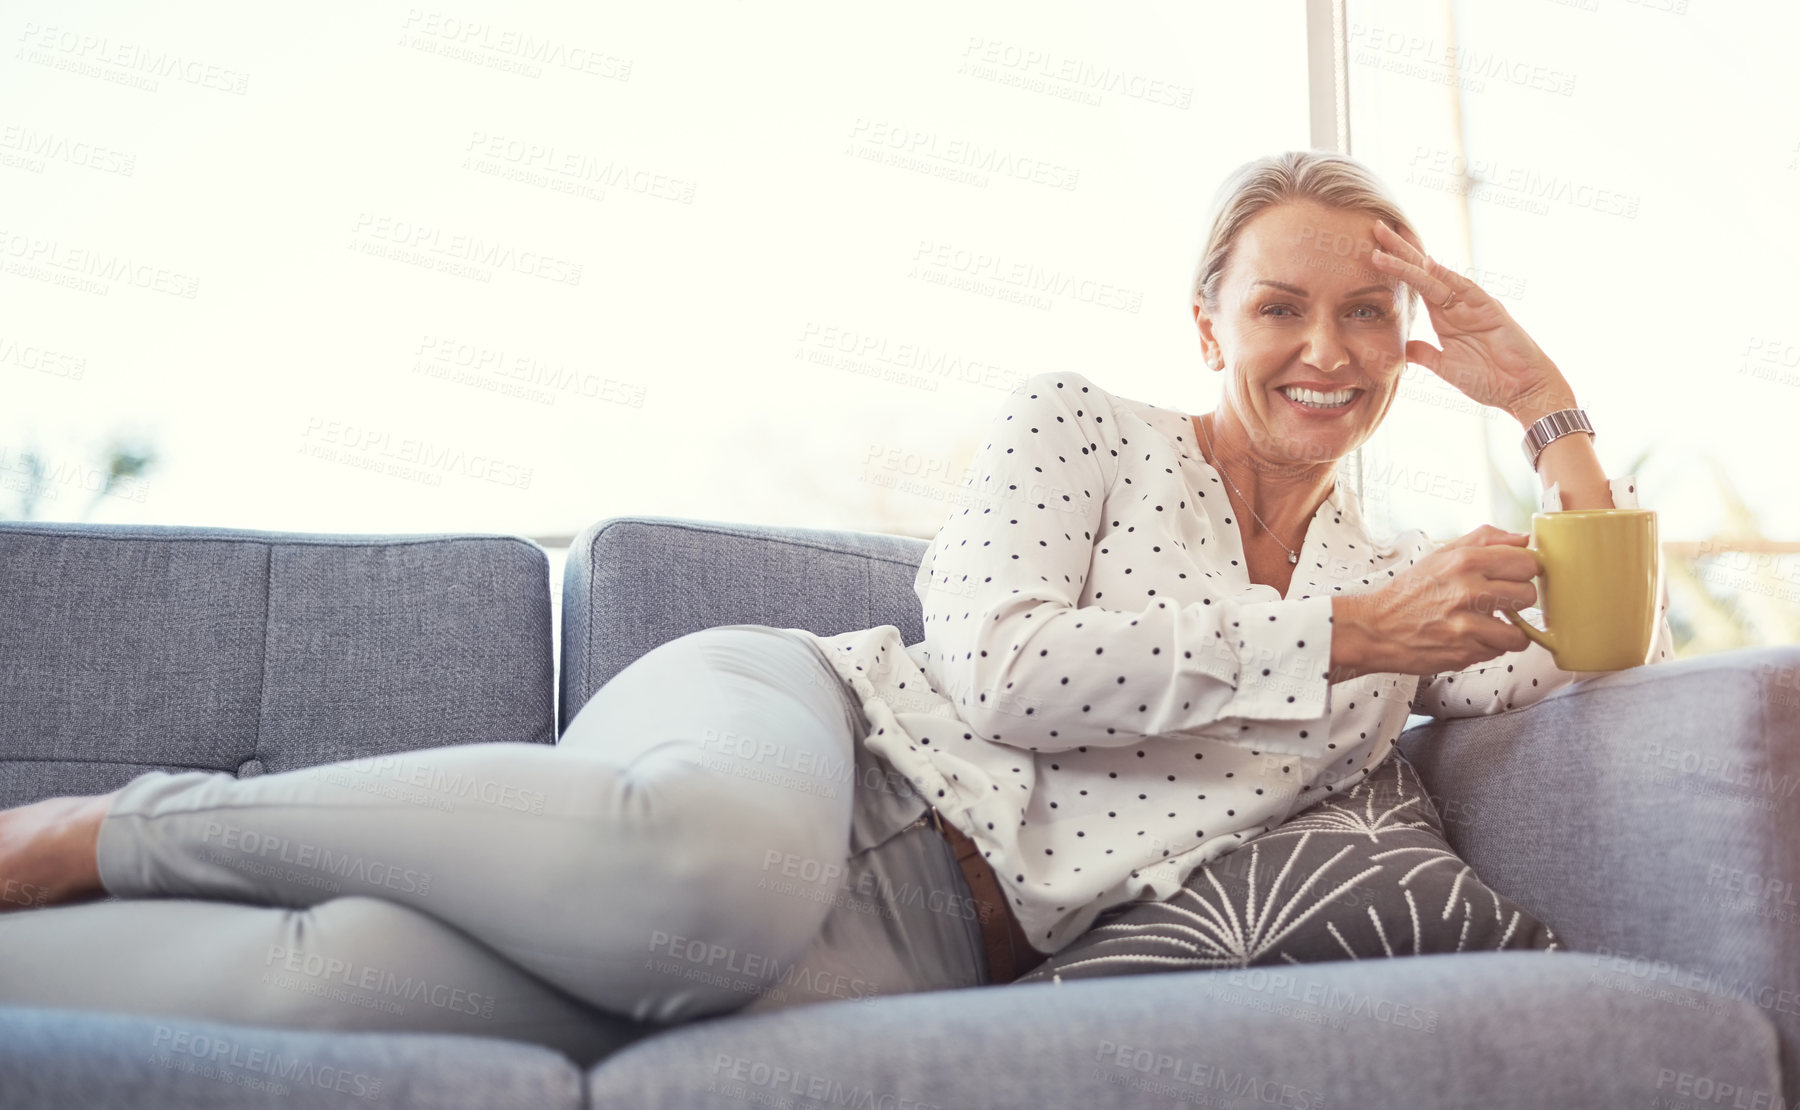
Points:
[1647,815]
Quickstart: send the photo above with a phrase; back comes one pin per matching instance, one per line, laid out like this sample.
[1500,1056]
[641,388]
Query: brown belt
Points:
[1009,953]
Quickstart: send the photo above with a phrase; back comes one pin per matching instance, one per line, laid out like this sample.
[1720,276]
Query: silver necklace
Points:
[1293,556]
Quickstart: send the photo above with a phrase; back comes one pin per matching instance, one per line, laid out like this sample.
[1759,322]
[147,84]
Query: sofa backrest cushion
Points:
[633,582]
[126,648]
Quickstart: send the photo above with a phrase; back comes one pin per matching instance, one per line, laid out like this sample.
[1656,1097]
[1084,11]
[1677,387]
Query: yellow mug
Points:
[1598,583]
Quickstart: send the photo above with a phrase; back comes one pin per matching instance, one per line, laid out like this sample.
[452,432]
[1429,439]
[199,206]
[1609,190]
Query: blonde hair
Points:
[1333,180]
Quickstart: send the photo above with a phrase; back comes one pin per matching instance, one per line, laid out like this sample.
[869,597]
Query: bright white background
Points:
[1637,209]
[739,262]
[676,376]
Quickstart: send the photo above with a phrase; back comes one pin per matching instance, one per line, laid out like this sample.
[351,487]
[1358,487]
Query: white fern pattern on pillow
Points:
[1363,875]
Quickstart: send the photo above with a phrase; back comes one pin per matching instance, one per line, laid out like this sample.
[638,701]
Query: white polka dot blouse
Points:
[1103,700]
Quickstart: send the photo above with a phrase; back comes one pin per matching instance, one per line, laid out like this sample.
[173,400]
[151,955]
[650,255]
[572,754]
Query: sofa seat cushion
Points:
[52,1059]
[1485,1030]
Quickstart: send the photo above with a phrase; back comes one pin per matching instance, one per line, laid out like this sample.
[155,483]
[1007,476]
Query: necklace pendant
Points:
[1293,558]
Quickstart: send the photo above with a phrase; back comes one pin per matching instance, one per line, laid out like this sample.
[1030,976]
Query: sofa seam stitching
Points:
[397,540]
[262,692]
[587,632]
[115,762]
[784,541]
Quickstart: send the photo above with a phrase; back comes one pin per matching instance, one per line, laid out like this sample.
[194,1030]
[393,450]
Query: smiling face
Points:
[1313,336]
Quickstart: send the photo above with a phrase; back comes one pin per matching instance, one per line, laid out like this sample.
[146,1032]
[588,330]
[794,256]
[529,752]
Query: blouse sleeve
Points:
[1520,678]
[1008,642]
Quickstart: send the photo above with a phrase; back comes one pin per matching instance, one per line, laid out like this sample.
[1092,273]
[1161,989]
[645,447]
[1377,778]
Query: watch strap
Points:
[1551,428]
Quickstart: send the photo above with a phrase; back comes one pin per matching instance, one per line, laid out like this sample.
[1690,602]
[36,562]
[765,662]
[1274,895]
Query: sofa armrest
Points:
[1649,816]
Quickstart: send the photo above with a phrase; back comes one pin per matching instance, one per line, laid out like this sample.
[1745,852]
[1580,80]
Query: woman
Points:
[1169,633]
[1150,637]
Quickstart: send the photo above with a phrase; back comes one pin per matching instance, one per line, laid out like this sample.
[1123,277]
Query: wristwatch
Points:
[1551,428]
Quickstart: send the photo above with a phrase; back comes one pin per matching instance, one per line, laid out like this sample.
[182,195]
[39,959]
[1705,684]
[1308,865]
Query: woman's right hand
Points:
[1438,614]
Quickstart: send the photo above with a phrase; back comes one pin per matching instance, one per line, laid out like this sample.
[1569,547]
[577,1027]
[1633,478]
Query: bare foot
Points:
[47,851]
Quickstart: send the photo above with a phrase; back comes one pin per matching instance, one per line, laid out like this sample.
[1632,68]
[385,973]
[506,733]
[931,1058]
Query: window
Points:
[440,268]
[1621,174]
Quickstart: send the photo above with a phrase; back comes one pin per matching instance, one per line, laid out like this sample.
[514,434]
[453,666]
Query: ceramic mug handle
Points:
[1541,636]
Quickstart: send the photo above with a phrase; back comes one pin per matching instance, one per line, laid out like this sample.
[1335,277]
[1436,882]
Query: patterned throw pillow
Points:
[1358,875]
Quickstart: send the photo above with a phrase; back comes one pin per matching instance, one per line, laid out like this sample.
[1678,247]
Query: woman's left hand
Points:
[1485,353]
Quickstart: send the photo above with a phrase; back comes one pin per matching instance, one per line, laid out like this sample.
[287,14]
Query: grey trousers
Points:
[709,835]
